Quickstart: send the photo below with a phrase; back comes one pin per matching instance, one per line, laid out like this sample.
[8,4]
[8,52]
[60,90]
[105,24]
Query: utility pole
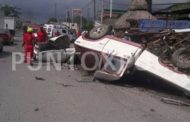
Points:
[88,13]
[55,10]
[81,19]
[111,7]
[149,2]
[66,15]
[102,11]
[94,10]
[69,19]
[72,16]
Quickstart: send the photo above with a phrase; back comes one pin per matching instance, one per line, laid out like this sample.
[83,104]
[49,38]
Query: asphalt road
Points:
[70,96]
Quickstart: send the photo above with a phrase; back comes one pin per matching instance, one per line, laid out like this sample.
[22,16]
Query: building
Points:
[9,23]
[1,20]
[71,25]
[179,11]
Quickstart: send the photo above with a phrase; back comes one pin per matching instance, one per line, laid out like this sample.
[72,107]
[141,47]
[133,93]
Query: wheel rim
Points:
[99,30]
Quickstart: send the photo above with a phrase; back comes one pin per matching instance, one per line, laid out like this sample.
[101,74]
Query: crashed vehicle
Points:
[55,49]
[110,58]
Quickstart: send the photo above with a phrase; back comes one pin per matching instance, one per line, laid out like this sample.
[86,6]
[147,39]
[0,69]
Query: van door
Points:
[117,56]
[90,51]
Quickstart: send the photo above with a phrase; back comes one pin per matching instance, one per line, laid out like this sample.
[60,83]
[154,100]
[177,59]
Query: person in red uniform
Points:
[57,33]
[42,36]
[78,32]
[28,41]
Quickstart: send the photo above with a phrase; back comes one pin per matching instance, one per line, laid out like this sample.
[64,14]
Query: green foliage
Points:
[88,25]
[78,20]
[52,20]
[11,11]
[19,24]
[179,7]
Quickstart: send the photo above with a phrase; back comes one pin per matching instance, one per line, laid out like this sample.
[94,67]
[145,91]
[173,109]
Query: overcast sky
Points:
[40,10]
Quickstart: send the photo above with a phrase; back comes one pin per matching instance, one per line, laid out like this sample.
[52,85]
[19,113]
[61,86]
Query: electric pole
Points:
[94,10]
[111,7]
[81,19]
[149,2]
[55,10]
[88,13]
[102,11]
[72,16]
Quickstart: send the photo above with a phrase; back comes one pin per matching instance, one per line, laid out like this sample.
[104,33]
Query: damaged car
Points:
[55,49]
[110,57]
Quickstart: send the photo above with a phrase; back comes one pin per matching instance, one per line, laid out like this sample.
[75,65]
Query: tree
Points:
[88,25]
[78,19]
[11,11]
[52,20]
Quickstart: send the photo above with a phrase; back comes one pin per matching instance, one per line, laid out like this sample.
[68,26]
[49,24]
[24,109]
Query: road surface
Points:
[70,96]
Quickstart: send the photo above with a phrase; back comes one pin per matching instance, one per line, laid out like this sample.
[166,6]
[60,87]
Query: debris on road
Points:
[175,102]
[40,78]
[152,110]
[64,85]
[36,110]
[86,79]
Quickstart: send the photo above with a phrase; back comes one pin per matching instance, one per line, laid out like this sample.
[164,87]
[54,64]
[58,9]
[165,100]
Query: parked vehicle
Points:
[111,58]
[1,46]
[71,34]
[6,36]
[50,28]
[55,47]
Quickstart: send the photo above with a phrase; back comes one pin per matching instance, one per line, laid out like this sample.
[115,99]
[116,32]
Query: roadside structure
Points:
[138,9]
[177,11]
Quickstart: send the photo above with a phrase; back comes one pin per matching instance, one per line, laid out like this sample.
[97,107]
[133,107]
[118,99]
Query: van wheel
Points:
[100,31]
[181,58]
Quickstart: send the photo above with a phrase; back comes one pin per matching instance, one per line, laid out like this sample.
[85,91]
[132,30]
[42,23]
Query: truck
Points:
[110,57]
[10,24]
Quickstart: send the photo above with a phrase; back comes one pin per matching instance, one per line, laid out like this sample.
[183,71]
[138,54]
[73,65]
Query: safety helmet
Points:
[30,30]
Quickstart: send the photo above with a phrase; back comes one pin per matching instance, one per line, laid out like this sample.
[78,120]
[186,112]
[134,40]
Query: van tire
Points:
[100,31]
[181,59]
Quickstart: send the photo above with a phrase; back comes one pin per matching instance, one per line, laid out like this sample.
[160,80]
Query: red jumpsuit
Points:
[41,36]
[28,39]
[78,34]
[56,34]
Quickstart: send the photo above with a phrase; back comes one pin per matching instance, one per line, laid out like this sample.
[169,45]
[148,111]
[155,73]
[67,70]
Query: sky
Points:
[41,10]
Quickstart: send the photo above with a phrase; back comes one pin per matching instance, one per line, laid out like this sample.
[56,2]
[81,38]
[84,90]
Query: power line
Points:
[156,4]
